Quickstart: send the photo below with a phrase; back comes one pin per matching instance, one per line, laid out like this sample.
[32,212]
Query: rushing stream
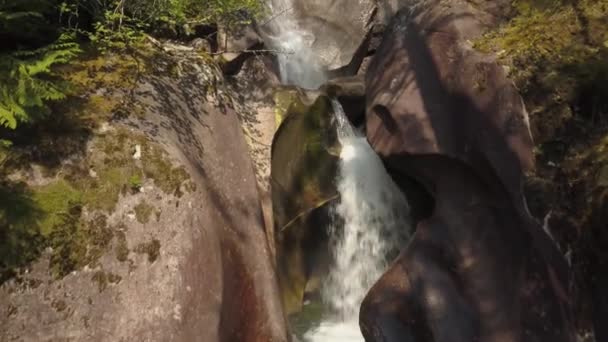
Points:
[370,220]
[370,225]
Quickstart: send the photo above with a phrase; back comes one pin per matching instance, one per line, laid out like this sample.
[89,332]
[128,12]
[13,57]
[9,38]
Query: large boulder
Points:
[340,27]
[444,116]
[305,155]
[163,239]
[337,31]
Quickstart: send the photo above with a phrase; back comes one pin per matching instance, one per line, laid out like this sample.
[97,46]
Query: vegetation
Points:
[45,33]
[557,52]
[143,211]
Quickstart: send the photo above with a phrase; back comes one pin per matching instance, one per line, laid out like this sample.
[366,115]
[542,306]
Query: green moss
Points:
[157,166]
[287,101]
[55,200]
[78,243]
[100,171]
[98,237]
[557,47]
[152,249]
[143,211]
[135,182]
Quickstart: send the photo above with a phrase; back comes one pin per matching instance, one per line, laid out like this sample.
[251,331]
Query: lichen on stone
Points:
[59,305]
[151,248]
[103,279]
[87,164]
[143,211]
[122,247]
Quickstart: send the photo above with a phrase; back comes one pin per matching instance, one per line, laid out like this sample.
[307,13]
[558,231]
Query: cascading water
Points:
[371,219]
[372,223]
[298,65]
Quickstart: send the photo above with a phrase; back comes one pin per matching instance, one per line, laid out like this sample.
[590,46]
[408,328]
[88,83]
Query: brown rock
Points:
[304,162]
[341,31]
[444,116]
[208,275]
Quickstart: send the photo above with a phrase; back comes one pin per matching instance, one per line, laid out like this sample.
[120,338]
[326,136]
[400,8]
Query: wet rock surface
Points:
[305,155]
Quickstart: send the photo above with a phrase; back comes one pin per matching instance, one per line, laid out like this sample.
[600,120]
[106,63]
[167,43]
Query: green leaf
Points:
[7,118]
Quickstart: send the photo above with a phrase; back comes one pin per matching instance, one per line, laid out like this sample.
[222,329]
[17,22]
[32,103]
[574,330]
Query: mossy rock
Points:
[151,248]
[143,211]
[122,247]
[287,101]
[304,165]
[33,218]
[304,161]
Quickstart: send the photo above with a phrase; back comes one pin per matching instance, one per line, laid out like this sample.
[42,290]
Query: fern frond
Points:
[7,117]
[27,81]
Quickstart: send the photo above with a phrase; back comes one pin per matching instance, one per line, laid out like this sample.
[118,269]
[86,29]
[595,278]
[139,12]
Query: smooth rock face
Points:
[212,279]
[341,29]
[442,115]
[305,156]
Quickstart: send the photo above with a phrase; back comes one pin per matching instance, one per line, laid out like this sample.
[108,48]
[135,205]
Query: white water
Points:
[372,222]
[298,65]
[372,216]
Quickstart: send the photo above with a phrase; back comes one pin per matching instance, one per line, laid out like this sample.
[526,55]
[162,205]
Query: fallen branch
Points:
[305,212]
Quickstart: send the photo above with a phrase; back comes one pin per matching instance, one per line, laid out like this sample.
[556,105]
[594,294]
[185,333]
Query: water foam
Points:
[371,217]
[372,223]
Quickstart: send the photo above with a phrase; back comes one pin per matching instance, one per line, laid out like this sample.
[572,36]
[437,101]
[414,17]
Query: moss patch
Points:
[55,201]
[157,166]
[50,216]
[287,101]
[103,279]
[152,249]
[90,168]
[558,57]
[143,211]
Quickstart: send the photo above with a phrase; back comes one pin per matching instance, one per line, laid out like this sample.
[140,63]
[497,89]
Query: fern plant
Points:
[27,81]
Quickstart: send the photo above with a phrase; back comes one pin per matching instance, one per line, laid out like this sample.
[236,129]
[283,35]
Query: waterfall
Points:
[298,65]
[371,219]
[372,224]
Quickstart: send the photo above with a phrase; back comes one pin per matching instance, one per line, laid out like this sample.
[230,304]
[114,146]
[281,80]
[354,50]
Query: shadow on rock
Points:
[479,267]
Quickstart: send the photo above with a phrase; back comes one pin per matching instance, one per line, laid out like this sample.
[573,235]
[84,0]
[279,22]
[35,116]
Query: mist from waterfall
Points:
[371,224]
[298,65]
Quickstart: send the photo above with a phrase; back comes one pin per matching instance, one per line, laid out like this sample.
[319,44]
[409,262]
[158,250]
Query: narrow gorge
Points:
[304,170]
